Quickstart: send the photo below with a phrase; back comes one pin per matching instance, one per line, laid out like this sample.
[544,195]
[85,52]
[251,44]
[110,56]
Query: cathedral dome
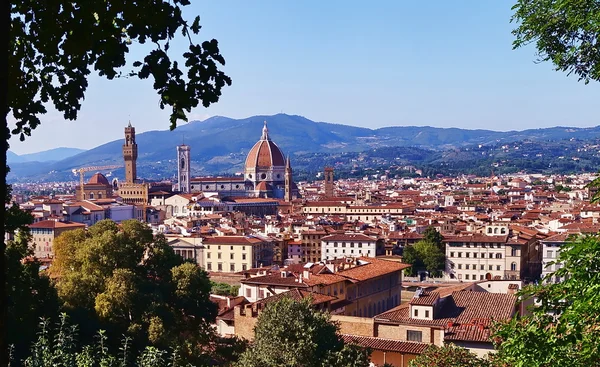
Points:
[98,179]
[265,153]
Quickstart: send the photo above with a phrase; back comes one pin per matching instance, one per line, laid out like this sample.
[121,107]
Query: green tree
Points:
[293,334]
[412,257]
[30,293]
[448,356]
[432,236]
[432,257]
[565,32]
[424,255]
[224,289]
[50,49]
[565,328]
[129,282]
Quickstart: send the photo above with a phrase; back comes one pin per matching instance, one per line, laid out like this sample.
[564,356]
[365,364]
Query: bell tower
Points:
[328,182]
[183,168]
[288,181]
[130,154]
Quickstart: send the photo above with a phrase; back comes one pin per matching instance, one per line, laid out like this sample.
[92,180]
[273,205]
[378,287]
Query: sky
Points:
[363,63]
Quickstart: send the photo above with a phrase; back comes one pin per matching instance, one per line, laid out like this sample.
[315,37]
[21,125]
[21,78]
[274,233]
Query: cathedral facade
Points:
[267,174]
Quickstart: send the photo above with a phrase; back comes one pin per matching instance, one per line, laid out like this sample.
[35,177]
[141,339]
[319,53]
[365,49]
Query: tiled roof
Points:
[386,344]
[465,315]
[298,295]
[52,224]
[231,240]
[373,268]
[349,237]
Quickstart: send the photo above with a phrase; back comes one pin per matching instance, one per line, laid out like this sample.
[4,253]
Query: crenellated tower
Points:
[130,154]
[328,182]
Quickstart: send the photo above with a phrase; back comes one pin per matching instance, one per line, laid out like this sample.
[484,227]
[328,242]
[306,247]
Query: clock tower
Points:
[130,154]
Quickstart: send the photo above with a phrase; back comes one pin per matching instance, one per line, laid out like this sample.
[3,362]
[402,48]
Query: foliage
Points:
[293,334]
[224,289]
[424,255]
[434,237]
[131,283]
[448,356]
[565,32]
[565,328]
[30,293]
[61,348]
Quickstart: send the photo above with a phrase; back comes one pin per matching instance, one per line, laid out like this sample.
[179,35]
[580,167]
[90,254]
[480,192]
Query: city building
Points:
[264,175]
[43,234]
[231,254]
[343,245]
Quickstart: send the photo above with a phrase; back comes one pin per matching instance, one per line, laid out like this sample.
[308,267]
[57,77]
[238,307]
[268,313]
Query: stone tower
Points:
[130,153]
[329,182]
[183,168]
[288,181]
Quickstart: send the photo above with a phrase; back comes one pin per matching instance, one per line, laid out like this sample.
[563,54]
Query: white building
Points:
[349,245]
[550,252]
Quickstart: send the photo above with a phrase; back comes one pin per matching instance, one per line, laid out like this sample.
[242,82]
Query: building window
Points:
[416,313]
[460,254]
[452,254]
[248,292]
[414,335]
[498,267]
[482,267]
[261,293]
[498,256]
[208,266]
[513,266]
[491,255]
[220,267]
[475,254]
[232,267]
[467,276]
[550,254]
[467,266]
[218,255]
[208,255]
[460,266]
[244,267]
[426,313]
[230,256]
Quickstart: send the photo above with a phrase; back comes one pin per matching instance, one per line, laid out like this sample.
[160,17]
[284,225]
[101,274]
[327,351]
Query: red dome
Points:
[98,179]
[263,186]
[265,153]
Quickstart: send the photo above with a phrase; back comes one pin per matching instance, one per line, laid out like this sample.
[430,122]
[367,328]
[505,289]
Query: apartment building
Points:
[310,249]
[43,234]
[361,286]
[551,247]
[480,256]
[345,245]
[231,254]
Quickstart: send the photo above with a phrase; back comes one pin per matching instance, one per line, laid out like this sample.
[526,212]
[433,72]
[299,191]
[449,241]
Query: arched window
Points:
[182,163]
[175,209]
[495,230]
[490,230]
[503,230]
[99,195]
[513,251]
[513,266]
[91,195]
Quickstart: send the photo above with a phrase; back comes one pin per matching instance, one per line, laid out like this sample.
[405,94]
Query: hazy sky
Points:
[368,63]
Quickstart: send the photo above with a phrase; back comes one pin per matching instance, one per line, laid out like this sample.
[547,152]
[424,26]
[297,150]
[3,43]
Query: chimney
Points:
[284,274]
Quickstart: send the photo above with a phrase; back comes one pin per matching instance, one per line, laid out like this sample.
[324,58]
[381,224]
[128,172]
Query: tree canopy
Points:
[49,50]
[292,334]
[424,255]
[448,356]
[132,283]
[564,326]
[565,32]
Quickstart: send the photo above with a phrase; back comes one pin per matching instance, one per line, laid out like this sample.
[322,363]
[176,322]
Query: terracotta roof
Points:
[52,224]
[464,315]
[265,153]
[373,268]
[386,344]
[349,237]
[98,179]
[231,240]
[298,295]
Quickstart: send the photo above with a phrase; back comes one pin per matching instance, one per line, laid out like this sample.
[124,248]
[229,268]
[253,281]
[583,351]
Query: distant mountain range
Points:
[52,155]
[220,144]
